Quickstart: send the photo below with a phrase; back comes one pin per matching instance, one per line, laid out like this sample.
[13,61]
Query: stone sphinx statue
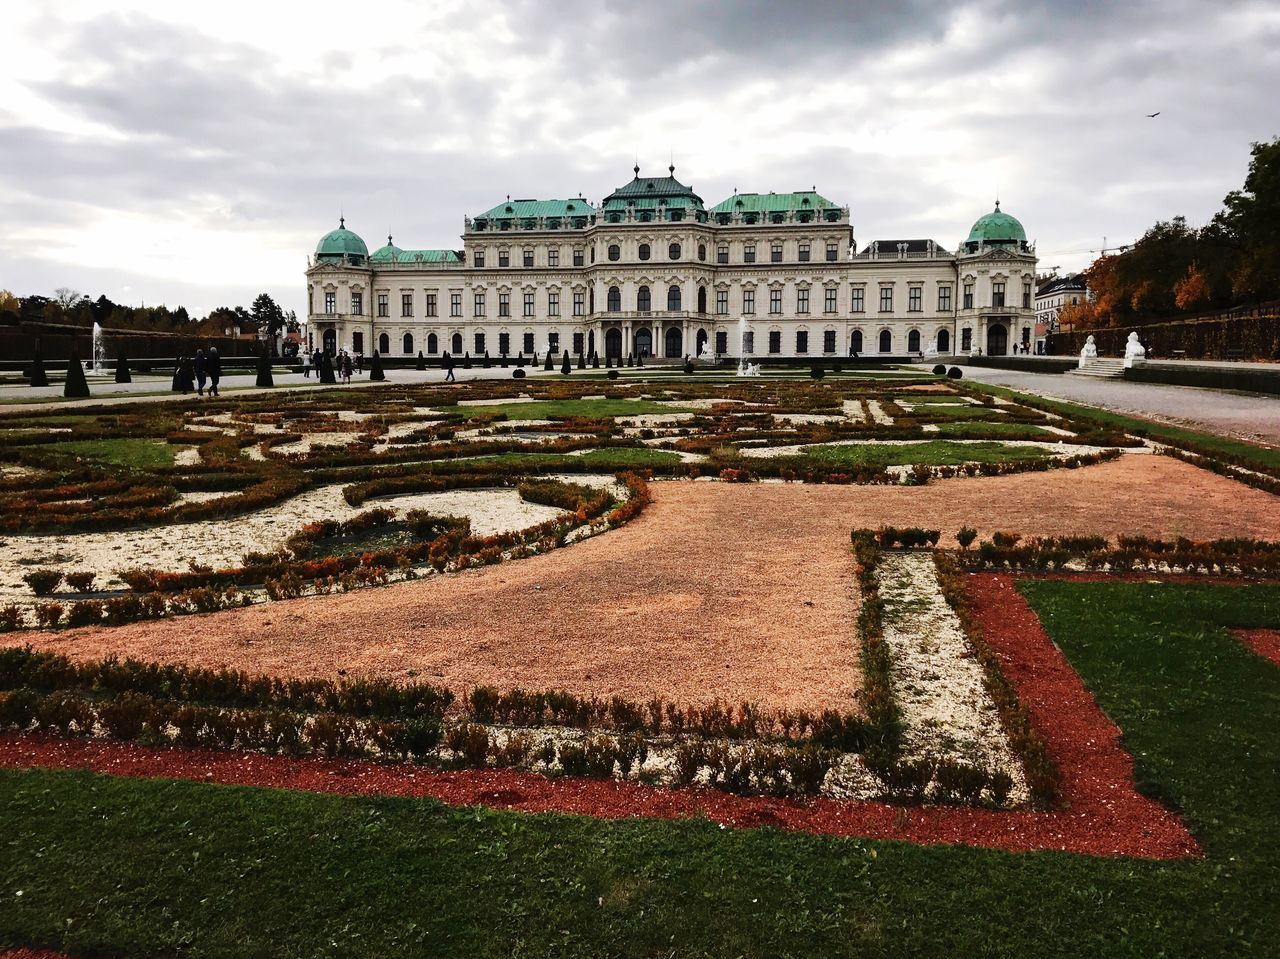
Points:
[1134,352]
[1089,351]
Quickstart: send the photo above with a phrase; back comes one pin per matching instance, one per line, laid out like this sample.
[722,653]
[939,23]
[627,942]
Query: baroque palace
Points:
[653,272]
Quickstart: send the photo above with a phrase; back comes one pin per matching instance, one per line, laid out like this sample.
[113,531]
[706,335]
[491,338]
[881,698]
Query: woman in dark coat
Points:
[177,375]
[201,368]
[215,370]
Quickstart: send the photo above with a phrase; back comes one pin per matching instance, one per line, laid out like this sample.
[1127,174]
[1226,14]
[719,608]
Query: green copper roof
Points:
[773,202]
[393,254]
[648,193]
[522,209]
[997,227]
[341,242]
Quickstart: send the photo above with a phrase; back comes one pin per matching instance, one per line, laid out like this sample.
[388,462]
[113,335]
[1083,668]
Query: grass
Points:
[939,453]
[1005,428]
[134,453]
[564,409]
[606,459]
[1266,456]
[147,868]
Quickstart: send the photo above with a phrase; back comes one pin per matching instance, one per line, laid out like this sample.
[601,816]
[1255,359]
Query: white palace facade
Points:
[652,271]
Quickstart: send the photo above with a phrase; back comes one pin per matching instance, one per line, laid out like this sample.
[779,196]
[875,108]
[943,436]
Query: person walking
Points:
[201,370]
[346,368]
[448,368]
[306,365]
[214,365]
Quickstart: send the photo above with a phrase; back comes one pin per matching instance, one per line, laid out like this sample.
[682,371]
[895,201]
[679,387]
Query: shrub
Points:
[955,373]
[940,370]
[81,582]
[1004,540]
[469,741]
[125,715]
[11,618]
[817,373]
[966,536]
[43,581]
[86,612]
[613,374]
[688,367]
[514,752]
[48,615]
[517,373]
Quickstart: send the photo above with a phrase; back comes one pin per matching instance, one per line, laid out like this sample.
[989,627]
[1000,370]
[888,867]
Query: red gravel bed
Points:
[1264,642]
[1103,814]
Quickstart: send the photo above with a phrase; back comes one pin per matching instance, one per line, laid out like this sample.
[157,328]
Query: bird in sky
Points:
[1150,115]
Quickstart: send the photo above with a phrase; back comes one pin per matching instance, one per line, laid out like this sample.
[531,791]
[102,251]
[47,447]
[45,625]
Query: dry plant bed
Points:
[1102,814]
[1264,642]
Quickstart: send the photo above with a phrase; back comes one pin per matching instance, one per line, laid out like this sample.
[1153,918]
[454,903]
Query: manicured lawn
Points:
[145,868]
[605,459]
[136,453]
[564,409]
[1028,431]
[940,453]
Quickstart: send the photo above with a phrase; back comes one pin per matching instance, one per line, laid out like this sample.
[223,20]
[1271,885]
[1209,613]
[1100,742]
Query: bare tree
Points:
[68,298]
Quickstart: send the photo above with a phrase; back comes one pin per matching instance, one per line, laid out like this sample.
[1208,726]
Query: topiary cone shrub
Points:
[503,361]
[630,360]
[77,386]
[640,359]
[122,368]
[940,370]
[419,364]
[466,360]
[38,376]
[595,360]
[549,365]
[375,368]
[608,361]
[325,373]
[264,370]
[487,362]
[565,367]
[955,373]
[582,361]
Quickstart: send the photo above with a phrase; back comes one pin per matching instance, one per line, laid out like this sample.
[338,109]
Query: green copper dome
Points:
[997,227]
[342,243]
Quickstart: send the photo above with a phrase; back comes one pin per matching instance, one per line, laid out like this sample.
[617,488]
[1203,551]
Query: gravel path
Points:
[1246,416]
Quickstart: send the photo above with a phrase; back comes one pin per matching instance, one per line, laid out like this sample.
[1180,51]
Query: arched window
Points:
[615,251]
[702,251]
[913,341]
[615,299]
[674,251]
[384,344]
[886,341]
[702,299]
[673,299]
[643,303]
[944,341]
[455,343]
[644,251]
[408,343]
[433,343]
[855,342]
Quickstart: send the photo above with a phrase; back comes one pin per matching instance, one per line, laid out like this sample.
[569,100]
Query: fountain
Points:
[745,368]
[98,353]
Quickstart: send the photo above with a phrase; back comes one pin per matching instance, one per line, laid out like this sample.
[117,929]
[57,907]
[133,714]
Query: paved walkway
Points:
[1247,416]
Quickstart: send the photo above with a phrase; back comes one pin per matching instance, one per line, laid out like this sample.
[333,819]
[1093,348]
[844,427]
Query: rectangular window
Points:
[802,341]
[859,305]
[431,304]
[829,300]
[504,344]
[722,341]
[528,343]
[804,252]
[528,304]
[528,258]
[802,300]
[722,302]
[944,299]
[775,301]
[357,342]
[997,294]
[833,250]
[1026,296]
[553,257]
[968,297]
[828,341]
[579,303]
[406,304]
[748,301]
[966,339]
[553,341]
[722,254]
[553,303]
[577,257]
[331,303]
[775,341]
[577,342]
[749,342]
[504,304]
[479,344]
[384,304]
[357,303]
[749,253]
[479,304]
[915,299]
[455,304]
[477,258]
[504,258]
[775,253]
[886,299]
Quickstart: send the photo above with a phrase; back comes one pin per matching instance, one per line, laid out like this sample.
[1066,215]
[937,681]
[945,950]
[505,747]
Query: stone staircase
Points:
[1102,368]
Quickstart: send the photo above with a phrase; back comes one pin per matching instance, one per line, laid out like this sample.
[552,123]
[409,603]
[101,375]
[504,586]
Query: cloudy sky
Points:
[157,153]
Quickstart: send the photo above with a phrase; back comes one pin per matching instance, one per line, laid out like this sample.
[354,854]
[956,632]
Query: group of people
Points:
[191,373]
[344,364]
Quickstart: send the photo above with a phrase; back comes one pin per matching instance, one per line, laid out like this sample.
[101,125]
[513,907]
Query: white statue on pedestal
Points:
[1089,351]
[1134,352]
